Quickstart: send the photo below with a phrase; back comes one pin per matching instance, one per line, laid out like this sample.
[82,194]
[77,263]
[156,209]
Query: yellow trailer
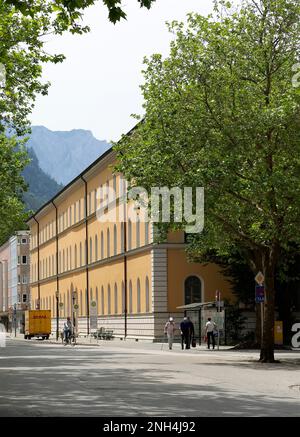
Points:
[37,324]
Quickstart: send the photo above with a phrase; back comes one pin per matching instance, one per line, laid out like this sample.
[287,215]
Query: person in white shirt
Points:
[170,329]
[209,332]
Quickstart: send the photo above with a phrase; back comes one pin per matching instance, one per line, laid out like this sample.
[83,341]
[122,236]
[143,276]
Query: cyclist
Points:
[68,329]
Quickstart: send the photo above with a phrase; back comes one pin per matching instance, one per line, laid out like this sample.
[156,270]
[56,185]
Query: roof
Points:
[196,305]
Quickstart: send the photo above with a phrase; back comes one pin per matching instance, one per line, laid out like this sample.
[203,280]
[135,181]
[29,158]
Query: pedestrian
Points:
[185,328]
[170,329]
[192,330]
[209,332]
[68,328]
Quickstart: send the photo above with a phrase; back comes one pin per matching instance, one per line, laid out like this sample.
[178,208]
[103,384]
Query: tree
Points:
[222,112]
[21,56]
[69,13]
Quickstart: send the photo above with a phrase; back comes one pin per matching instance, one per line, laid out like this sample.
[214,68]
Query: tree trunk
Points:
[267,347]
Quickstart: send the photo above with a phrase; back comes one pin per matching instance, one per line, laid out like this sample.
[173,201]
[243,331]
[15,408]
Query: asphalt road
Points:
[40,379]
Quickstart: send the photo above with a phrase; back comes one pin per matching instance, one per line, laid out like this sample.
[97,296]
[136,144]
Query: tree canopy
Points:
[21,56]
[222,112]
[68,13]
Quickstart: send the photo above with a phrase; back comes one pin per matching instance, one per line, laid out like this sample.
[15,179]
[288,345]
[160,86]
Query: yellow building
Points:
[79,262]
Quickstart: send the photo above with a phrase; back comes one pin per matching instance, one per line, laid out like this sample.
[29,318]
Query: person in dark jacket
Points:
[192,330]
[185,328]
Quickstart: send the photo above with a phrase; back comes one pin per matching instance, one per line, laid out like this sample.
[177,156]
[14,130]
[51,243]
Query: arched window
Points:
[108,300]
[129,234]
[46,272]
[91,250]
[122,237]
[192,290]
[102,300]
[146,232]
[115,239]
[102,245]
[130,297]
[68,303]
[138,226]
[96,247]
[91,294]
[70,218]
[59,261]
[115,185]
[75,211]
[138,296]
[80,254]
[79,210]
[147,295]
[64,302]
[97,300]
[95,200]
[75,256]
[67,252]
[70,258]
[81,308]
[116,299]
[108,244]
[123,297]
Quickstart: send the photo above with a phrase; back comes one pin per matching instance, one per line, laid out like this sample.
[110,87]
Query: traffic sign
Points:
[259,278]
[259,294]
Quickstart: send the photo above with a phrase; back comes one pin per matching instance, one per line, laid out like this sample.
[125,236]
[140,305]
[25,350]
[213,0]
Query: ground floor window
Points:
[192,290]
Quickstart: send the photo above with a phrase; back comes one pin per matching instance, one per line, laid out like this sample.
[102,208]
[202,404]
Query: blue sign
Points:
[259,293]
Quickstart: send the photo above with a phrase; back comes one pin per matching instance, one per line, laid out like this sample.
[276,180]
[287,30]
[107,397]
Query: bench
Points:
[104,334]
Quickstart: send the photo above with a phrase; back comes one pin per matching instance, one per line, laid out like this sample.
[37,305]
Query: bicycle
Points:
[71,339]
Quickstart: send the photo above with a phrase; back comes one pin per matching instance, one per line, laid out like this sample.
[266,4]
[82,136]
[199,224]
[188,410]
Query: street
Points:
[129,379]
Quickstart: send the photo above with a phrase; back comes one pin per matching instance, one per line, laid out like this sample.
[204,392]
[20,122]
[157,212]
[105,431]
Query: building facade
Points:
[14,280]
[95,264]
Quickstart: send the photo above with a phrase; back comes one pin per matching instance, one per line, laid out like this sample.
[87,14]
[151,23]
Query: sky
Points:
[97,87]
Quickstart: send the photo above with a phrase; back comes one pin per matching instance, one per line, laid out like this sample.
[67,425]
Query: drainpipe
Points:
[57,278]
[38,265]
[86,256]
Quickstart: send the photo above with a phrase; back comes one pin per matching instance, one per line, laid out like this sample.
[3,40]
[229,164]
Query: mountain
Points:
[65,154]
[41,187]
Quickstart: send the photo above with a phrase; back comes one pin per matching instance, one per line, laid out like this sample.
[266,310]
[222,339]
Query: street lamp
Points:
[57,315]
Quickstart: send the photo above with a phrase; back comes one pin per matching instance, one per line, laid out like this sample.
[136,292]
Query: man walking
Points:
[170,331]
[185,328]
[209,332]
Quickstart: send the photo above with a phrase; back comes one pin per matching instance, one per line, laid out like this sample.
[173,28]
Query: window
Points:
[146,232]
[19,259]
[91,250]
[95,200]
[122,237]
[138,296]
[24,240]
[147,295]
[63,262]
[70,258]
[115,239]
[24,298]
[81,309]
[19,279]
[108,244]
[138,232]
[67,254]
[80,254]
[75,256]
[116,299]
[75,211]
[90,204]
[70,216]
[79,210]
[24,259]
[123,297]
[129,234]
[108,300]
[102,245]
[96,247]
[192,290]
[130,297]
[24,279]
[102,300]
[115,185]
[97,300]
